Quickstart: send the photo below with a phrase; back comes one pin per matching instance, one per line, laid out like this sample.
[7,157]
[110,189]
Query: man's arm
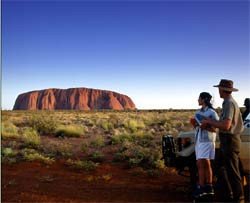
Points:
[222,125]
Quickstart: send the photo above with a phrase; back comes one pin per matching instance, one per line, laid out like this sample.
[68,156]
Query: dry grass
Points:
[133,137]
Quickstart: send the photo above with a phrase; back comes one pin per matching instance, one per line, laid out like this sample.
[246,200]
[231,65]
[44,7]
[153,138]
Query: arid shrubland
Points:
[85,138]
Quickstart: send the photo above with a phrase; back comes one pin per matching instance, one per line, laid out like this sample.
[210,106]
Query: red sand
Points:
[36,182]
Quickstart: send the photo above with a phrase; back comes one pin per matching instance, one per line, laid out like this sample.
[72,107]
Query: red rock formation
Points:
[73,98]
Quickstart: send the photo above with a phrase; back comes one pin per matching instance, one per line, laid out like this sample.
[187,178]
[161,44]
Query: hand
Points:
[206,121]
[193,122]
[206,125]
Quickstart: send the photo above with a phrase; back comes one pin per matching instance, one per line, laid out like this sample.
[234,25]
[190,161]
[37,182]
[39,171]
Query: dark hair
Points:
[207,98]
[247,103]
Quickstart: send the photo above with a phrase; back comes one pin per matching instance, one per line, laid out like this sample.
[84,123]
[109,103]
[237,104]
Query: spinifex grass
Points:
[133,137]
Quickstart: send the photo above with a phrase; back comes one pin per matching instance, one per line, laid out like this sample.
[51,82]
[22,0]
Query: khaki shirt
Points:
[230,110]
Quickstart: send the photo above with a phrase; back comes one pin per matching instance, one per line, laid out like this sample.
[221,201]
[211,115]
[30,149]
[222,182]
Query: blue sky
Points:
[160,53]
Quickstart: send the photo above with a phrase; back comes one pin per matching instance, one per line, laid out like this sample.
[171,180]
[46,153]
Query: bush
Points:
[32,155]
[44,124]
[107,126]
[115,120]
[8,152]
[134,125]
[30,137]
[85,165]
[98,141]
[9,130]
[121,138]
[136,155]
[159,164]
[84,147]
[118,157]
[8,155]
[97,156]
[53,148]
[69,131]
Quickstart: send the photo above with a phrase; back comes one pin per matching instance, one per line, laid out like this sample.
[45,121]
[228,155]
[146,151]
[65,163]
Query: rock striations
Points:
[73,98]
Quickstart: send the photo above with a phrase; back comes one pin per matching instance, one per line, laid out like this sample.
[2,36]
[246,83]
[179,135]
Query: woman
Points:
[204,145]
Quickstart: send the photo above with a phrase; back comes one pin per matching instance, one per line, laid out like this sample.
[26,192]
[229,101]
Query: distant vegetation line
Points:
[107,110]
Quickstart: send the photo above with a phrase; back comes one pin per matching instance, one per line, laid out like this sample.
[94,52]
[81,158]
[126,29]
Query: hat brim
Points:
[226,88]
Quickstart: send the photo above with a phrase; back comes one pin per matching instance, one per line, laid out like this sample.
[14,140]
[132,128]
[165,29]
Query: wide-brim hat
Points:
[226,85]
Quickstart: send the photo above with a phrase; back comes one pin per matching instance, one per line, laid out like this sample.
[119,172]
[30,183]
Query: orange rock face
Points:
[73,98]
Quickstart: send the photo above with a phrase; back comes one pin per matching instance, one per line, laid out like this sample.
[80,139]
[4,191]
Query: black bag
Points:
[168,150]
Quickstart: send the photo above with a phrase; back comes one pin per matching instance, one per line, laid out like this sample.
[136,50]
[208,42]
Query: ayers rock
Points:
[73,98]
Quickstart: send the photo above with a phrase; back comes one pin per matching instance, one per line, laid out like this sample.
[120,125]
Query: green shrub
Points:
[119,157]
[107,126]
[159,164]
[8,155]
[53,148]
[134,125]
[140,156]
[115,120]
[44,124]
[9,130]
[135,155]
[145,140]
[30,137]
[167,126]
[69,131]
[85,165]
[7,152]
[98,141]
[97,156]
[119,139]
[84,147]
[33,155]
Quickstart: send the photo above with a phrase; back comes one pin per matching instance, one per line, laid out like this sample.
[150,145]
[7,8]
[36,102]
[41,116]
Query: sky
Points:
[161,54]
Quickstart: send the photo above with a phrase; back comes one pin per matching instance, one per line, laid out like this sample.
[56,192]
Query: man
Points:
[247,110]
[230,126]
